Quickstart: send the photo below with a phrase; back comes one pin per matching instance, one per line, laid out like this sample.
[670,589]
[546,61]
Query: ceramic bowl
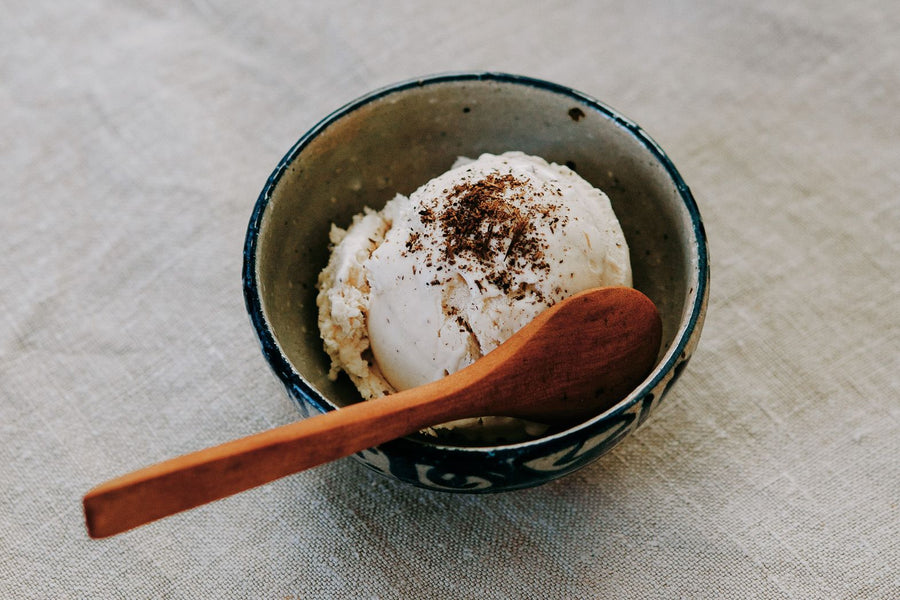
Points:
[397,138]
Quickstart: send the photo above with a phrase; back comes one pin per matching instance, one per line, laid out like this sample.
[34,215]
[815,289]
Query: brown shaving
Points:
[485,219]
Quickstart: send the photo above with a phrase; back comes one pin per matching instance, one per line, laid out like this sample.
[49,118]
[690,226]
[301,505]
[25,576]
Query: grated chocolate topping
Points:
[491,222]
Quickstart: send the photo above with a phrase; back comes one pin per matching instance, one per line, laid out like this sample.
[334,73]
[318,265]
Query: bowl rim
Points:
[697,297]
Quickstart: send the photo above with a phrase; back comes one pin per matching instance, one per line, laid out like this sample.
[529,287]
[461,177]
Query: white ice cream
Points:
[434,281]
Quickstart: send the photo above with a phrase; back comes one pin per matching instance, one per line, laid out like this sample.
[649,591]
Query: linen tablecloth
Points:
[135,139]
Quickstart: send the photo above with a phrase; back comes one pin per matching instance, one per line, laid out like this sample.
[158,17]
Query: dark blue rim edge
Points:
[291,378]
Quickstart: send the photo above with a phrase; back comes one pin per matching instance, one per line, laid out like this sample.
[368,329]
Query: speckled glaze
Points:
[397,138]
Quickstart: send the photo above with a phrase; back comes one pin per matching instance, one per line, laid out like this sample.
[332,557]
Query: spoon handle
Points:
[193,479]
[576,359]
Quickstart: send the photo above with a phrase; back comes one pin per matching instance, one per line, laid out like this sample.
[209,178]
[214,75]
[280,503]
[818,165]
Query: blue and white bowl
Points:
[397,138]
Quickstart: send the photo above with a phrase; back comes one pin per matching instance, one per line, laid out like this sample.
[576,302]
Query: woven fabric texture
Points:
[136,138]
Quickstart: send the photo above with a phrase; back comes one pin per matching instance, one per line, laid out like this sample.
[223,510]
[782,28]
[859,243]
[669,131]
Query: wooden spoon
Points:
[575,360]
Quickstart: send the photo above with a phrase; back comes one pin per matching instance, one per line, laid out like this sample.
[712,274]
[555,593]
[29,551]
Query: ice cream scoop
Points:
[438,279]
[481,250]
[575,360]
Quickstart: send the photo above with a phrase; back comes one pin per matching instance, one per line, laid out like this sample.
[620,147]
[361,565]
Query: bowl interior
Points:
[395,141]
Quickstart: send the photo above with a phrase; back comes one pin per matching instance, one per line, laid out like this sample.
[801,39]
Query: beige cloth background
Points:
[135,139]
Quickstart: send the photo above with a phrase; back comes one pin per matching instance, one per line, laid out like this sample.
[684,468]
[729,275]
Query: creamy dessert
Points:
[436,280]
